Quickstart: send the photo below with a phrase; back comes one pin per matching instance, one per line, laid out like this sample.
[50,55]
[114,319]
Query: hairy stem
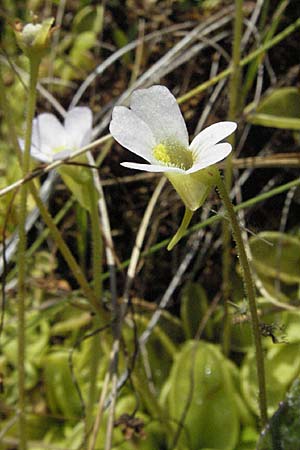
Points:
[234,88]
[31,102]
[250,294]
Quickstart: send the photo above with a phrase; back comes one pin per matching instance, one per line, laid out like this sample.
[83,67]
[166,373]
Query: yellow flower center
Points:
[174,155]
[59,149]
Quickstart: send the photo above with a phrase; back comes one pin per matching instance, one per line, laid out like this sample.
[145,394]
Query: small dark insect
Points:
[131,426]
[270,330]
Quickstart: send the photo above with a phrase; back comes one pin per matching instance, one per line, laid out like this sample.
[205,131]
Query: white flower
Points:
[52,140]
[154,129]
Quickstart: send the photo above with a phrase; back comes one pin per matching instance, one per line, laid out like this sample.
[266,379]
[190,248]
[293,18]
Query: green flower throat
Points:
[174,155]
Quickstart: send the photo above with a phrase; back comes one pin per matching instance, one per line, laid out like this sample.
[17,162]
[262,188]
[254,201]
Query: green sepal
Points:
[193,188]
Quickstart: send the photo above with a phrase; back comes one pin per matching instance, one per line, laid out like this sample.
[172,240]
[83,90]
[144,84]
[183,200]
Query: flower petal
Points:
[47,132]
[45,156]
[151,167]
[158,108]
[78,126]
[131,132]
[210,155]
[212,135]
[35,153]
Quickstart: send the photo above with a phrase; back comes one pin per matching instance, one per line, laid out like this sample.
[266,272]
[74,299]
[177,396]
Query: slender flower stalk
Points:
[34,40]
[234,89]
[250,294]
[34,67]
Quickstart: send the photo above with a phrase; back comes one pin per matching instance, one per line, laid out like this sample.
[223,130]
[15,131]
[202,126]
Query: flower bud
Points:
[34,38]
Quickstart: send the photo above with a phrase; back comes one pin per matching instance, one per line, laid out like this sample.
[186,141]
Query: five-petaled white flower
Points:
[154,129]
[51,140]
